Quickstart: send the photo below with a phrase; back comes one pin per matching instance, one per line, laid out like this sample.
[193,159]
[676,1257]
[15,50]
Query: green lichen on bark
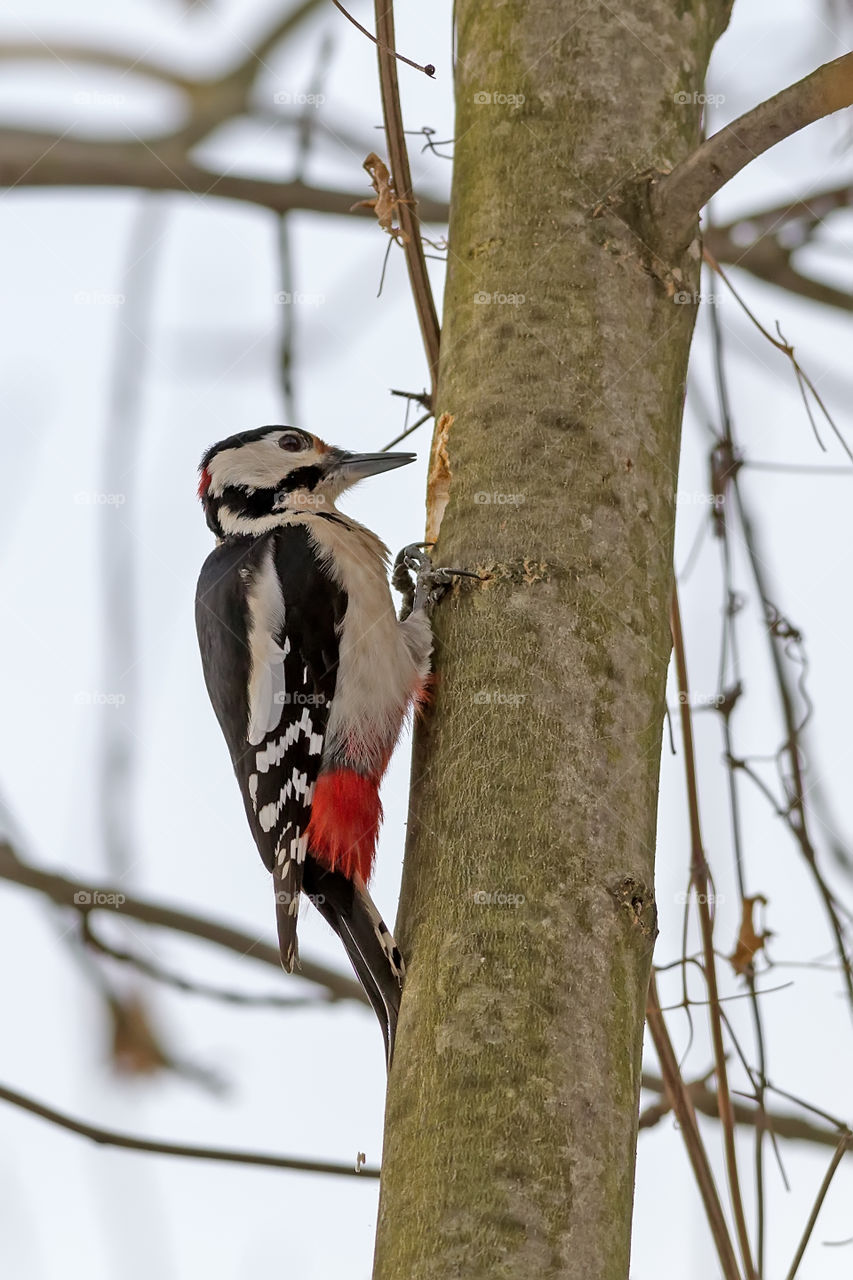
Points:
[511,1120]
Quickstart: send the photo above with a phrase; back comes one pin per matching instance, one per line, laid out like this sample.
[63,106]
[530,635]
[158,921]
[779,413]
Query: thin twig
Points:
[398,158]
[242,999]
[724,464]
[782,1123]
[795,468]
[111,1138]
[682,1105]
[428,69]
[795,813]
[402,436]
[85,897]
[804,382]
[818,1204]
[288,321]
[700,880]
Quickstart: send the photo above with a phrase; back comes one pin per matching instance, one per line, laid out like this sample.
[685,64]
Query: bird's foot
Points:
[429,584]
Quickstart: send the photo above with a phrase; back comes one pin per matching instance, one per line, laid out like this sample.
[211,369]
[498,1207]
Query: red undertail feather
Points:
[345,817]
[423,693]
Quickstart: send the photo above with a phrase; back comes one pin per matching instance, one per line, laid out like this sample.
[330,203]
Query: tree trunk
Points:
[527,915]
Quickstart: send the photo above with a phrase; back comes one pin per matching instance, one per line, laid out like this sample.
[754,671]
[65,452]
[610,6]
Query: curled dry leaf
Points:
[136,1047]
[749,941]
[386,201]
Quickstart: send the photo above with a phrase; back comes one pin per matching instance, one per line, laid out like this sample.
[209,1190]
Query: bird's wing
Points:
[293,610]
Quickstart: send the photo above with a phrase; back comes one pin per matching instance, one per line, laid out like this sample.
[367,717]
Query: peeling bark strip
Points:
[438,480]
[526,914]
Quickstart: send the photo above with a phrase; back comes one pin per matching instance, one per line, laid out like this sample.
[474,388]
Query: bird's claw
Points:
[429,584]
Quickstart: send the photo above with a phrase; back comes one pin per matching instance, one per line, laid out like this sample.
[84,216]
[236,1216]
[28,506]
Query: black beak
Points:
[358,466]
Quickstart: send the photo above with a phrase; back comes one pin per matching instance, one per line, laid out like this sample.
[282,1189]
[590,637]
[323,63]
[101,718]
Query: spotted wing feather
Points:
[287,656]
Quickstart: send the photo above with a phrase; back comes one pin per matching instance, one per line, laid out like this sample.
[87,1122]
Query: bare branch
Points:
[763,243]
[402,181]
[810,212]
[242,999]
[769,260]
[112,59]
[212,100]
[682,1105]
[216,100]
[782,1124]
[87,898]
[678,198]
[110,1138]
[32,159]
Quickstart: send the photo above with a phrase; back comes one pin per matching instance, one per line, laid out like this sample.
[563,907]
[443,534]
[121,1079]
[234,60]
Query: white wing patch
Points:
[297,785]
[282,748]
[274,752]
[267,691]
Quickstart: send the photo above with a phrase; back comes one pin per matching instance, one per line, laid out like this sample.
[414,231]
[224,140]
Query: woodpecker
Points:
[311,676]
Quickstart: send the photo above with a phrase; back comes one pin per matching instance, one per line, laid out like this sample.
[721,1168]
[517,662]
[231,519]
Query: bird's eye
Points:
[291,442]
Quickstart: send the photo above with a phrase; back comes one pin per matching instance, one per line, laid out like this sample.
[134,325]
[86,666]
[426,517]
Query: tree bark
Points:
[513,1099]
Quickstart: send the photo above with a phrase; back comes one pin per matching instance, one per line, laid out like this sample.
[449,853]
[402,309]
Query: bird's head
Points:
[251,480]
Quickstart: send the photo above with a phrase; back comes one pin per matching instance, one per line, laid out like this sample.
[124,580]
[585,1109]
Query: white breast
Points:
[379,668]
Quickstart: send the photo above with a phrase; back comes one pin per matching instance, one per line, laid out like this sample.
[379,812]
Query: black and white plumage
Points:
[310,676]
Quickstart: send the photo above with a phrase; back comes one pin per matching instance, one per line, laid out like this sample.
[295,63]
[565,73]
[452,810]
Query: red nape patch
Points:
[203,482]
[345,817]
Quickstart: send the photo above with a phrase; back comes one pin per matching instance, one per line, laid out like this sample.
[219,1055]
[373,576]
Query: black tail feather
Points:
[287,881]
[348,908]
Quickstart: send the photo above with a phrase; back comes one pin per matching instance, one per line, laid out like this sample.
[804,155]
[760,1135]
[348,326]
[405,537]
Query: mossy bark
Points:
[527,913]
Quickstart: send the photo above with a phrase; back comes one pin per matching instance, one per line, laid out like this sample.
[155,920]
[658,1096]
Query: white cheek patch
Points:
[258,465]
